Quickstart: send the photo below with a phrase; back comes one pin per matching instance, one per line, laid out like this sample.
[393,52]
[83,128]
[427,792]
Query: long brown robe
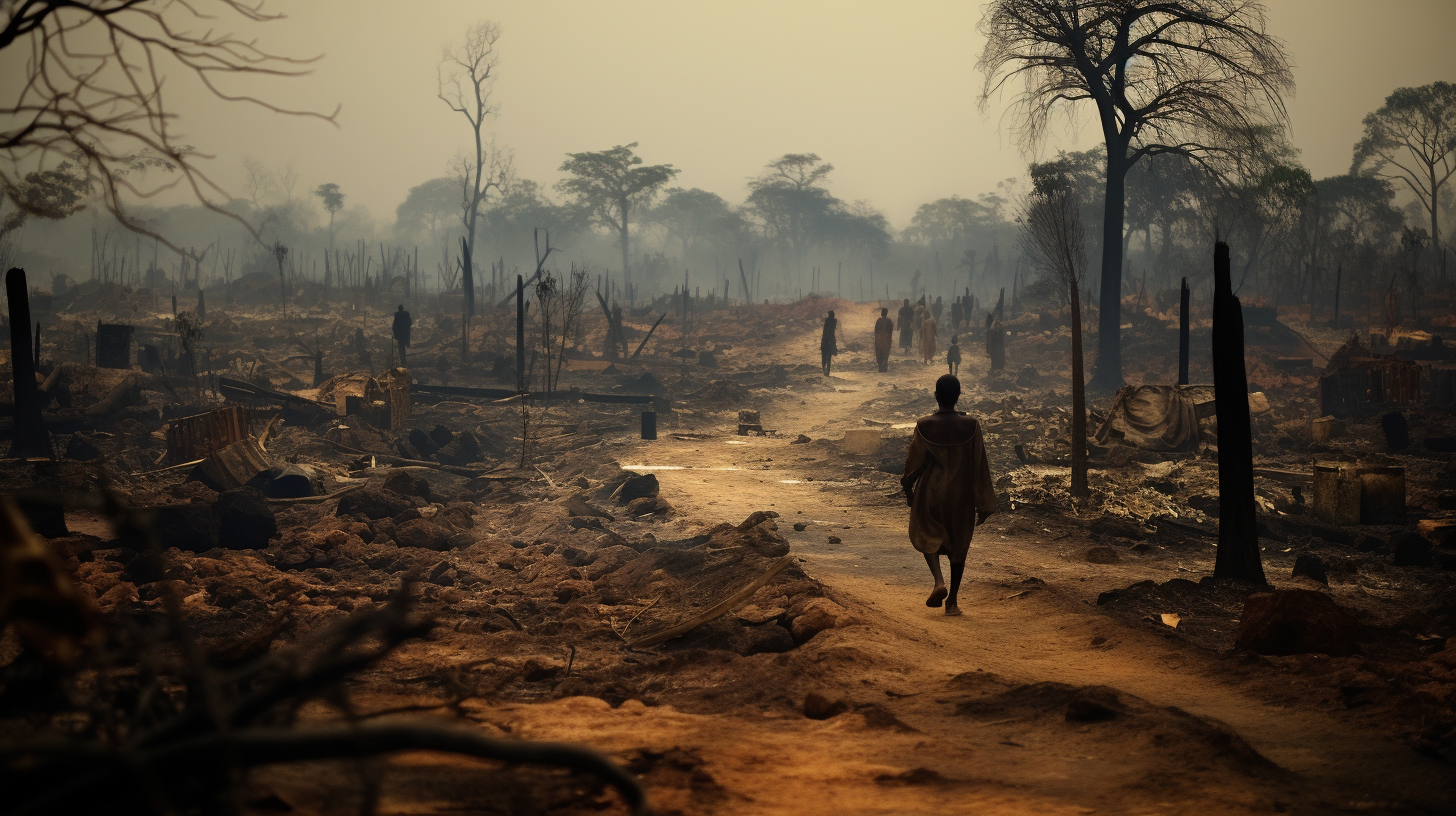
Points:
[954,485]
[884,335]
[927,339]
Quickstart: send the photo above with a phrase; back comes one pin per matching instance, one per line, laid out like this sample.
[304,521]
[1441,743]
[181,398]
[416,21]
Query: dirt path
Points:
[1044,634]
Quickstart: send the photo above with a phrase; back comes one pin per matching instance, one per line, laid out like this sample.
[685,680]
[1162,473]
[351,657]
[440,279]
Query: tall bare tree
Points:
[99,107]
[1053,238]
[1414,132]
[609,184]
[466,78]
[1166,76]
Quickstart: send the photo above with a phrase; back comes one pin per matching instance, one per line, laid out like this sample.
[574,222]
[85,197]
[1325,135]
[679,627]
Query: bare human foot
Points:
[953,610]
[937,596]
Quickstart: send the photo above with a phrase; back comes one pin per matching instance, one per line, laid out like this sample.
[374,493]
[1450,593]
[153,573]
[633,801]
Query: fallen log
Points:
[718,610]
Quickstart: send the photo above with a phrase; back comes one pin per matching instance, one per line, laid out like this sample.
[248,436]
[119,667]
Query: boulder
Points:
[245,520]
[421,442]
[462,450]
[424,534]
[372,503]
[768,638]
[647,505]
[1101,555]
[408,483]
[1308,565]
[818,615]
[1118,527]
[288,481]
[46,519]
[190,527]
[1296,621]
[81,449]
[637,486]
[441,436]
[1411,550]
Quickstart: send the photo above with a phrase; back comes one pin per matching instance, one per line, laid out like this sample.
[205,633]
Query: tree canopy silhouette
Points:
[1166,76]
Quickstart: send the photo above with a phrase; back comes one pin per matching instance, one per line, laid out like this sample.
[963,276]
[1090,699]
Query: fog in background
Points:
[887,92]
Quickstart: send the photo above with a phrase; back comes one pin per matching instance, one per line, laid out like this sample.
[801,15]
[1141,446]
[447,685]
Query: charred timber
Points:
[1238,537]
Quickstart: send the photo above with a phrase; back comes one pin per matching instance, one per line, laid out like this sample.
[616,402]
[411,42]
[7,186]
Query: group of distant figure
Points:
[921,321]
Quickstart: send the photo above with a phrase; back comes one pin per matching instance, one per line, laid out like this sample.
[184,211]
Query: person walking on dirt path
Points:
[947,484]
[402,324]
[953,356]
[884,333]
[928,330]
[907,326]
[828,347]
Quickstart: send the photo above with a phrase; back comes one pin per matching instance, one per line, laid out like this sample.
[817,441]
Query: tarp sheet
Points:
[1152,417]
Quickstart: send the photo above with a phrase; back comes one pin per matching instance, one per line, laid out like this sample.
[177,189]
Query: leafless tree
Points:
[258,182]
[91,93]
[466,80]
[1167,76]
[1053,238]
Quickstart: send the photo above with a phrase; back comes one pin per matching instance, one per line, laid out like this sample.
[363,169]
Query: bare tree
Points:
[1167,76]
[1053,238]
[466,79]
[258,182]
[100,107]
[1414,132]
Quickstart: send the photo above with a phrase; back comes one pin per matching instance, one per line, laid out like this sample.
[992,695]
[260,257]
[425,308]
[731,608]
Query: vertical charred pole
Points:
[1183,335]
[31,438]
[1238,540]
[202,302]
[1079,485]
[467,286]
[1339,272]
[520,334]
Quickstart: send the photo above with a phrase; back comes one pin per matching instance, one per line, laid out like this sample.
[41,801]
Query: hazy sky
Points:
[886,91]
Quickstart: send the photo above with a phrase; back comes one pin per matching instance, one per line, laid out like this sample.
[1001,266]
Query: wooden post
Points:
[520,334]
[31,438]
[1238,538]
[1183,335]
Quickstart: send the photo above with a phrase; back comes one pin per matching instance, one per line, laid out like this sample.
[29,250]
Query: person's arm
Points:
[914,464]
[985,491]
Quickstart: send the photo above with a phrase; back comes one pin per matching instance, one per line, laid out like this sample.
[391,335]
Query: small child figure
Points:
[953,355]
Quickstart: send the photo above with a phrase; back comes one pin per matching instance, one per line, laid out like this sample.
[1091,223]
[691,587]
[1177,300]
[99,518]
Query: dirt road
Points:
[1024,631]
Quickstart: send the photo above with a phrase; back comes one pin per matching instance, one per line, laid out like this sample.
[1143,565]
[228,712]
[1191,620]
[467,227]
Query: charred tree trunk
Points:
[1183,334]
[1079,402]
[1238,539]
[31,438]
[1108,377]
[1339,275]
[520,335]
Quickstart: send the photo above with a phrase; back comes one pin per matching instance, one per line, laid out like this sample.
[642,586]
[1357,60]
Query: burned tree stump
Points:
[31,438]
[1238,540]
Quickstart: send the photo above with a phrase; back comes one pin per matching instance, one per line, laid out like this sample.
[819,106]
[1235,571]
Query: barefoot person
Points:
[947,483]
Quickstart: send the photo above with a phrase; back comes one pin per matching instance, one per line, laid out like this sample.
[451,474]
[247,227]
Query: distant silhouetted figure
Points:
[827,345]
[402,324]
[947,483]
[937,307]
[906,325]
[928,330]
[953,356]
[957,314]
[884,334]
